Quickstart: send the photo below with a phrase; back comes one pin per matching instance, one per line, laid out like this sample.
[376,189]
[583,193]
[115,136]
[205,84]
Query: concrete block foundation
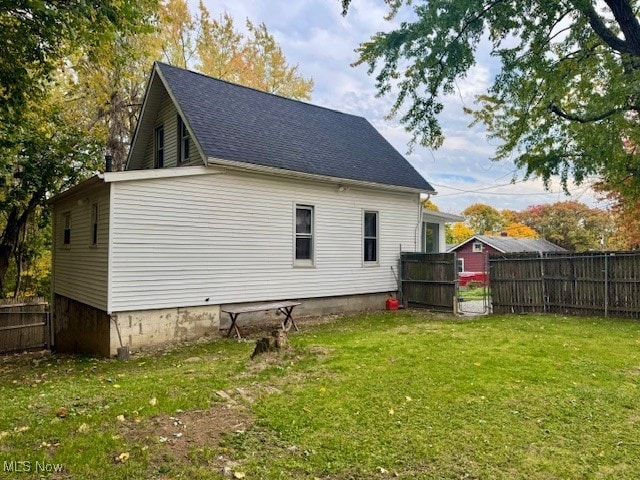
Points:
[147,328]
[80,328]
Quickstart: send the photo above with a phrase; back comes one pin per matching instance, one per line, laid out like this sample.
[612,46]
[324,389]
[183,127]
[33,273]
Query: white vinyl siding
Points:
[168,117]
[81,267]
[228,238]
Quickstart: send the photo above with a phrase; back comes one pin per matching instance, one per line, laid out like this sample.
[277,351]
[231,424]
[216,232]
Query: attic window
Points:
[159,146]
[183,141]
[477,247]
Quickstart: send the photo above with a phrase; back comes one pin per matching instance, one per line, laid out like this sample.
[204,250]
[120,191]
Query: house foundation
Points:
[81,328]
[147,328]
[312,307]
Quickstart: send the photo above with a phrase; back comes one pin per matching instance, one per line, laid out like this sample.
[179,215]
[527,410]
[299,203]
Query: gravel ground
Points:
[472,307]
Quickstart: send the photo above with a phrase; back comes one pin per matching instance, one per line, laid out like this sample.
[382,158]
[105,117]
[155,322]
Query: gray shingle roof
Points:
[237,123]
[513,245]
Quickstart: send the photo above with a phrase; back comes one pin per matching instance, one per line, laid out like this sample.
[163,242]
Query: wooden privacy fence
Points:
[428,280]
[24,325]
[590,283]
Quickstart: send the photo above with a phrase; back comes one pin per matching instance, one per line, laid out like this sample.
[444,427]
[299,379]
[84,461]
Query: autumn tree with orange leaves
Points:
[572,225]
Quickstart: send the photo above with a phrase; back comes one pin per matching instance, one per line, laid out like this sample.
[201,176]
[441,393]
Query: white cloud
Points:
[314,35]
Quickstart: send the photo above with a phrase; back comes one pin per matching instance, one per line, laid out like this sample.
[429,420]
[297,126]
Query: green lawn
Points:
[389,395]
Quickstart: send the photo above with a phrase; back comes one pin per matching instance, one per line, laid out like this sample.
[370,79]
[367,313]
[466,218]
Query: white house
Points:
[230,196]
[433,230]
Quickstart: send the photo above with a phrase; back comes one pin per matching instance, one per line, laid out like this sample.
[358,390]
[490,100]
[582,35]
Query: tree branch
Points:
[601,29]
[594,118]
[626,19]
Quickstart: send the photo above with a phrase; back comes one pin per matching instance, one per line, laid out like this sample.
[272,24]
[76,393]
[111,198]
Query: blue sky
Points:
[314,35]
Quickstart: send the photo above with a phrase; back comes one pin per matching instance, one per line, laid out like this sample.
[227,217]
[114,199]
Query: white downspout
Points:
[418,244]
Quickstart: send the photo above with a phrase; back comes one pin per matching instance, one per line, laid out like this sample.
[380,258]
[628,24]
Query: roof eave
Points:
[180,112]
[476,237]
[90,182]
[446,217]
[141,116]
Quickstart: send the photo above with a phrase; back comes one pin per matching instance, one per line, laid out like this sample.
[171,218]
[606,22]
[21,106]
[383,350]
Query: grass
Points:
[472,293]
[404,394]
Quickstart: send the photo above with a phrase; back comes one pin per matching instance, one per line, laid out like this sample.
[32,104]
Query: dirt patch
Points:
[174,439]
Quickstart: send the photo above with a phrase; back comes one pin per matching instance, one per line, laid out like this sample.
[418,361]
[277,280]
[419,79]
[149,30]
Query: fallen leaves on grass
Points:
[123,457]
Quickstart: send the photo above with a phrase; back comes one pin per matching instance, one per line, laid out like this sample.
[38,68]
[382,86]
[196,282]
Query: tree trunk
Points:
[16,222]
[18,259]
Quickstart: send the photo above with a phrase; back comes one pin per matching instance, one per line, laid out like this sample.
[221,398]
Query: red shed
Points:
[473,254]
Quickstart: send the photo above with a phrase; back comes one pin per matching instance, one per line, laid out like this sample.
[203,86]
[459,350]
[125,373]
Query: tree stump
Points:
[276,341]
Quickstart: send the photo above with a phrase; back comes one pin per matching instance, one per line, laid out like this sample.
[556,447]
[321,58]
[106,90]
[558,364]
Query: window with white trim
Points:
[183,141]
[460,265]
[477,247]
[430,237]
[304,235]
[66,237]
[159,147]
[370,237]
[94,224]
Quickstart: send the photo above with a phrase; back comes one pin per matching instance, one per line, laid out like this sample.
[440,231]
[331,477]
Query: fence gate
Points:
[428,280]
[24,325]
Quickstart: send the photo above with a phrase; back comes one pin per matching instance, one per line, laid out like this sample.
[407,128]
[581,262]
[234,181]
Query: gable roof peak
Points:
[162,65]
[235,123]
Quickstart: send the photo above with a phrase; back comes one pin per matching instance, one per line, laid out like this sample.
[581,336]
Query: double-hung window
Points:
[66,237]
[370,234]
[94,224]
[183,141]
[304,235]
[159,147]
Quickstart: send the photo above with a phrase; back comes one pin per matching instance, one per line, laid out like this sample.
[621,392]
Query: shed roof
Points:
[237,123]
[514,245]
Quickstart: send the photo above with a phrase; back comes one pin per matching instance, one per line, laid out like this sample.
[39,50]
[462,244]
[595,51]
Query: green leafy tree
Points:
[44,146]
[483,219]
[572,225]
[43,156]
[38,35]
[566,101]
[105,91]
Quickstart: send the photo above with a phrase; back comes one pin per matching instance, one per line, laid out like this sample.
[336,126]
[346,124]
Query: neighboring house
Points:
[230,196]
[472,255]
[433,230]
